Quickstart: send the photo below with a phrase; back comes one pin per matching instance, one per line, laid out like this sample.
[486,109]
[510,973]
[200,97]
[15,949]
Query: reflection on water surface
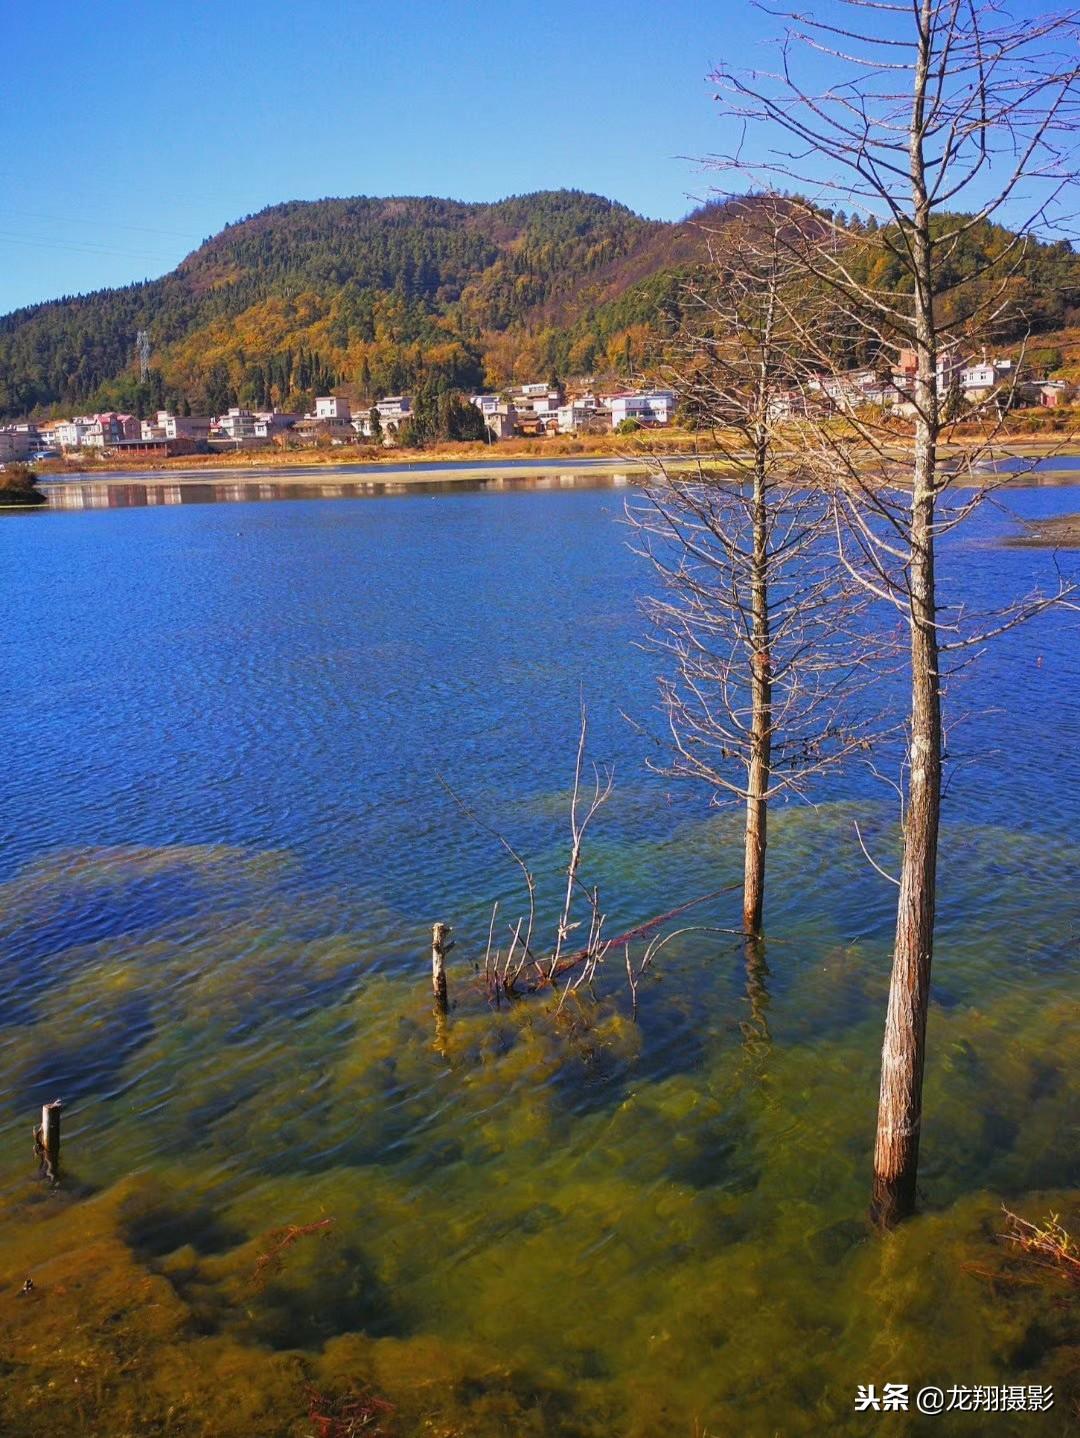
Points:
[119,494]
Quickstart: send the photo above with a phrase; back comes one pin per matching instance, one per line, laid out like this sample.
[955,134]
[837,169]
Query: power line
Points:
[87,249]
[83,219]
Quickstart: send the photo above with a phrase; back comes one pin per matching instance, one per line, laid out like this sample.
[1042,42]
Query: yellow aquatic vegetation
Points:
[512,1220]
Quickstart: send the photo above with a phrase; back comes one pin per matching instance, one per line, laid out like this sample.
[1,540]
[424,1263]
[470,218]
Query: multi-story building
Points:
[855,388]
[18,442]
[242,426]
[500,415]
[330,410]
[502,420]
[70,433]
[653,408]
[577,414]
[48,434]
[269,422]
[238,424]
[485,403]
[166,425]
[537,405]
[949,365]
[104,430]
[980,378]
[794,403]
[394,410]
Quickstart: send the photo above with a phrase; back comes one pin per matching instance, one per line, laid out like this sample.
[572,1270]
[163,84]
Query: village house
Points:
[106,430]
[851,388]
[394,409]
[978,380]
[237,425]
[18,442]
[331,411]
[271,422]
[1048,393]
[331,418]
[579,414]
[949,366]
[500,416]
[176,426]
[794,403]
[158,446]
[537,407]
[48,434]
[69,433]
[651,409]
[252,429]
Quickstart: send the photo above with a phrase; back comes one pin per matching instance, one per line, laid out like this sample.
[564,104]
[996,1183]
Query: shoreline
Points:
[327,471]
[335,471]
[444,466]
[1060,531]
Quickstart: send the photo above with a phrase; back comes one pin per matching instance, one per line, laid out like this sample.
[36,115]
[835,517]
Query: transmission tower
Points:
[142,346]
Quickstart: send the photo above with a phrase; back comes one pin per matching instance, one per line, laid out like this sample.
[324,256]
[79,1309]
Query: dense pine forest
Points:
[380,295]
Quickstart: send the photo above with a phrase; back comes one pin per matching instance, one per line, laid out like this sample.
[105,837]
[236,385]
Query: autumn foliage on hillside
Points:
[376,296]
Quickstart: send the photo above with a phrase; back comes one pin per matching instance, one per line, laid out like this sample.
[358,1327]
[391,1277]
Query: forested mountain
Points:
[376,295]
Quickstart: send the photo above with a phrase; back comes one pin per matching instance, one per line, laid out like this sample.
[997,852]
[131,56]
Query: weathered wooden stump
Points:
[47,1140]
[441,944]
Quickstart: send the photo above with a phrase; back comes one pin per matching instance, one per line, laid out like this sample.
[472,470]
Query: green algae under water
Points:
[281,1176]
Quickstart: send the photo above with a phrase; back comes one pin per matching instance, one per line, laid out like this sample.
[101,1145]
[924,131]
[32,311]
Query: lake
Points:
[291,1201]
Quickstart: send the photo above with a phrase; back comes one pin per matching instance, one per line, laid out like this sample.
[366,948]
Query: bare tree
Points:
[914,113]
[754,615]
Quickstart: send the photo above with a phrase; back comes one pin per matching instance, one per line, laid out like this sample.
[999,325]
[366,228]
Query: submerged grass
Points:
[517,1222]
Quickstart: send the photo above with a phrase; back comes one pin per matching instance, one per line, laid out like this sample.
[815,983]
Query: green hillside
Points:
[379,295]
[373,293]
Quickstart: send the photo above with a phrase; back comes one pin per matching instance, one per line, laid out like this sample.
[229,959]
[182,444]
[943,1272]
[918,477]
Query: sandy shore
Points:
[1059,532]
[378,475]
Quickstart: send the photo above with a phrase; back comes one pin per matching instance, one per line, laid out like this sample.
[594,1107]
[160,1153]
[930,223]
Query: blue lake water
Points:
[223,840]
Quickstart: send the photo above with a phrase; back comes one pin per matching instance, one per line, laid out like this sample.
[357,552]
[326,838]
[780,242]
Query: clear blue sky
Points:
[133,131]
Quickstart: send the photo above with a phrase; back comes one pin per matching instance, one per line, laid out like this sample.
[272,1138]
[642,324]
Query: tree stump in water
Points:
[441,944]
[47,1140]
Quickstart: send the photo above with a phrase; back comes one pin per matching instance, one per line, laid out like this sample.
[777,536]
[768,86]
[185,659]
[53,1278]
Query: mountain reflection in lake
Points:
[288,1195]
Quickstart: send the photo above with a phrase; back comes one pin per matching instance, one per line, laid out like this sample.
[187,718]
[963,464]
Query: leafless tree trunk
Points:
[755,617]
[896,1148]
[923,105]
[759,767]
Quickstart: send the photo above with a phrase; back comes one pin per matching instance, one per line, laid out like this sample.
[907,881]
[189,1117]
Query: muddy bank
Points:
[1060,531]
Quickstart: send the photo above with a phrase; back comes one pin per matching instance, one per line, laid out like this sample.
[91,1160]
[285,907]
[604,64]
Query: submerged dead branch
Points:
[525,967]
[348,1415]
[281,1240]
[1046,1244]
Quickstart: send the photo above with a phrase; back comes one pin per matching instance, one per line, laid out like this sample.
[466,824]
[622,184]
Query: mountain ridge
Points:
[376,294]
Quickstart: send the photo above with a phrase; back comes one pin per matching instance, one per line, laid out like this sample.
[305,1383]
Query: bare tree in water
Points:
[928,121]
[754,615]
